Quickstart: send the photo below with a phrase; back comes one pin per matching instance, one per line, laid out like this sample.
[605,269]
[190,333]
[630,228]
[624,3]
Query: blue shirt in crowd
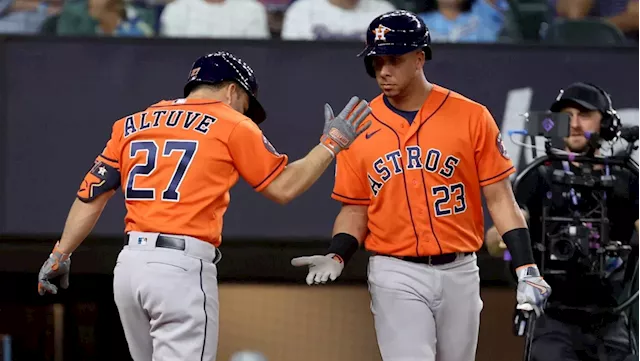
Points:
[481,24]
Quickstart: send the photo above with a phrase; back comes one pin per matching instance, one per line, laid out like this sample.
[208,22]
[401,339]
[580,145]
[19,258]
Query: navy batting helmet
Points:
[395,33]
[224,66]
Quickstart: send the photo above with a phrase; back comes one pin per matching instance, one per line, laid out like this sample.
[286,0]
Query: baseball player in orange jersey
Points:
[176,162]
[411,192]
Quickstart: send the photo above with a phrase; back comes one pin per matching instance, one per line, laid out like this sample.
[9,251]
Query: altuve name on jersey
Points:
[195,121]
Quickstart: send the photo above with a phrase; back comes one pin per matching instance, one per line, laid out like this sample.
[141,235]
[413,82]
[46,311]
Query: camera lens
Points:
[562,249]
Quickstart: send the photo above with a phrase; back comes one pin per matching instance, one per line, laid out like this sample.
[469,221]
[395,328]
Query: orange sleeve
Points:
[492,161]
[104,174]
[349,186]
[112,151]
[254,157]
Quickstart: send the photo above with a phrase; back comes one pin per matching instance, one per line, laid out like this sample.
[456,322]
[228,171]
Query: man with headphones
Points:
[569,329]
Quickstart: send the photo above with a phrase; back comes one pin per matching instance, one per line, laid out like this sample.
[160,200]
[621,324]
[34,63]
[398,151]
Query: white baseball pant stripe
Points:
[168,299]
[423,312]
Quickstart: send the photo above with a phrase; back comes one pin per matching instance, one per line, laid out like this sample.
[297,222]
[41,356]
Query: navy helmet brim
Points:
[255,111]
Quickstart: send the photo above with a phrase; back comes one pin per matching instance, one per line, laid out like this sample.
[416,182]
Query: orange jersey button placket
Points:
[417,197]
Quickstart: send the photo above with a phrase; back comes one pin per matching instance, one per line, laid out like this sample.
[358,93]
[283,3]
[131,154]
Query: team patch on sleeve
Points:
[269,146]
[501,148]
[100,179]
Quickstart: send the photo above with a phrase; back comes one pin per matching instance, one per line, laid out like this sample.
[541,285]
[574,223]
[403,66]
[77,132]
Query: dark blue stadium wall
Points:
[59,97]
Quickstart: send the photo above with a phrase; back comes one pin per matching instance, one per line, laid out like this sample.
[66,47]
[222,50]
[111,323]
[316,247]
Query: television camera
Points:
[580,238]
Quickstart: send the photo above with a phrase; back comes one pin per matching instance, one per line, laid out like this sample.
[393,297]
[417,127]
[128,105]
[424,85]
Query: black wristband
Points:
[344,245]
[518,242]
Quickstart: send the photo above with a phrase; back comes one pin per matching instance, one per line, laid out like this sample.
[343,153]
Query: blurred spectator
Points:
[415,6]
[621,13]
[331,19]
[474,21]
[275,14]
[215,19]
[25,16]
[105,17]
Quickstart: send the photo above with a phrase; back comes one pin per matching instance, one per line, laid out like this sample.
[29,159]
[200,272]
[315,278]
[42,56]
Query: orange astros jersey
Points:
[422,181]
[178,160]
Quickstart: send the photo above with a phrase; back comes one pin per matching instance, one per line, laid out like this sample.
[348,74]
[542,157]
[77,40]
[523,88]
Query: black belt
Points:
[163,241]
[433,260]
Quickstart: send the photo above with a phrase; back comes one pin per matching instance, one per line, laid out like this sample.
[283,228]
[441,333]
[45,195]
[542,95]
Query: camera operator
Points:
[570,329]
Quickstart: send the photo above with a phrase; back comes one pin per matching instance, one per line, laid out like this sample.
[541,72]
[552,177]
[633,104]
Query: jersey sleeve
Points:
[104,174]
[492,161]
[349,186]
[254,157]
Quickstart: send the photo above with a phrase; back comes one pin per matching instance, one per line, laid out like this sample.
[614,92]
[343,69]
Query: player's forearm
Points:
[493,240]
[352,220]
[513,231]
[509,221]
[80,221]
[506,215]
[349,231]
[300,175]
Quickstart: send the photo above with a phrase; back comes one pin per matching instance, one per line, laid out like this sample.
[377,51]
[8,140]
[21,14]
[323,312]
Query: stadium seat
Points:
[49,26]
[583,32]
[525,20]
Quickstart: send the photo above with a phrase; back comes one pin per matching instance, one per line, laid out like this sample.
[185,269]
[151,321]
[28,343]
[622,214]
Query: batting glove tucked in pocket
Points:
[533,290]
[321,268]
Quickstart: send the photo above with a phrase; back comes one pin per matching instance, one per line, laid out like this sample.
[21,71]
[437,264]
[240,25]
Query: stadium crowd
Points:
[448,20]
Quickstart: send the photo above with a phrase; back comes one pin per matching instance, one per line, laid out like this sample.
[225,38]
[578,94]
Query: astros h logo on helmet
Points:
[380,32]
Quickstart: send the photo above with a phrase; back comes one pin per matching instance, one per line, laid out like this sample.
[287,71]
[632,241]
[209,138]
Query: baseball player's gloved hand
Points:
[57,265]
[339,132]
[533,290]
[321,268]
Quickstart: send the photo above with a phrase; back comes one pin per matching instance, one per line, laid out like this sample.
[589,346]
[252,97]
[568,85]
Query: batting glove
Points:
[321,268]
[533,290]
[57,265]
[339,132]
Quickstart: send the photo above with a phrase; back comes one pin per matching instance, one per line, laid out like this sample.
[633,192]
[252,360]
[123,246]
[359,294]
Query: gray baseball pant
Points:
[423,312]
[168,299]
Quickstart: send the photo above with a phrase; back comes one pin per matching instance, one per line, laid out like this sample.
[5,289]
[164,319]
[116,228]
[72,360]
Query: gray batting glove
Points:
[533,290]
[57,265]
[339,132]
[321,268]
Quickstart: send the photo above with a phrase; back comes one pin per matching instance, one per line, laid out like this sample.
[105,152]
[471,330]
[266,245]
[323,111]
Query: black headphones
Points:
[610,124]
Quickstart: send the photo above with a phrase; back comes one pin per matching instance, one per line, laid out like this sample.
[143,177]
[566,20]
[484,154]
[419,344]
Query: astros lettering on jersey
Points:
[190,163]
[422,181]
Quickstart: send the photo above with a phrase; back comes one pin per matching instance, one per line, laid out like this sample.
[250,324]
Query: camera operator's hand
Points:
[533,290]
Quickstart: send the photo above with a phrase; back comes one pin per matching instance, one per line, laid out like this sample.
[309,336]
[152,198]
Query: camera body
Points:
[578,239]
[572,242]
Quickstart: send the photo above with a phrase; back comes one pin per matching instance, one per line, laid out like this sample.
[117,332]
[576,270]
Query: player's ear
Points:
[420,58]
[230,92]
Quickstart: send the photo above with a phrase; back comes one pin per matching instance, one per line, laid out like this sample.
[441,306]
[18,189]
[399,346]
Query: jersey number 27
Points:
[171,192]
